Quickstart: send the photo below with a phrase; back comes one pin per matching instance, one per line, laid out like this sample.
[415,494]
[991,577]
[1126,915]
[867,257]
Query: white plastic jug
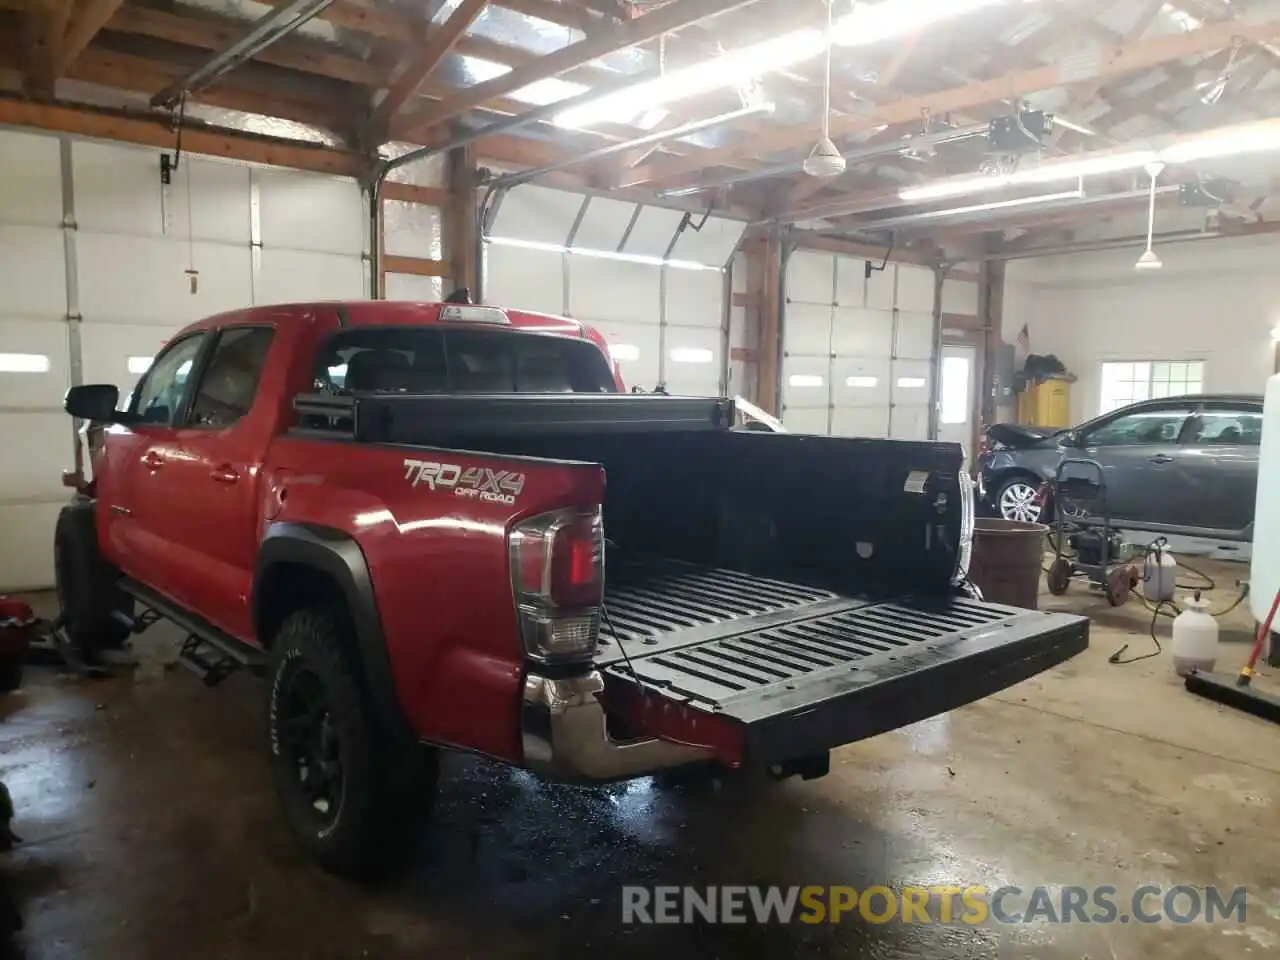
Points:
[1195,638]
[1159,573]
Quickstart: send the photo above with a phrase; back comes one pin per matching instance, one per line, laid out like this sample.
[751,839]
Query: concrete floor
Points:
[151,831]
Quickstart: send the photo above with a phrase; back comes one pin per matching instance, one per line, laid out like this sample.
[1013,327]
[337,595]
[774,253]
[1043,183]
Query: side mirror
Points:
[94,402]
[1071,439]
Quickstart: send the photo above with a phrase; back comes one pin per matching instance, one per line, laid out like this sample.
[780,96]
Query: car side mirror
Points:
[94,402]
[1071,439]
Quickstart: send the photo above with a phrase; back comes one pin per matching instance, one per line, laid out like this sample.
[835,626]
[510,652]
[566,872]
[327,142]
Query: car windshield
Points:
[433,360]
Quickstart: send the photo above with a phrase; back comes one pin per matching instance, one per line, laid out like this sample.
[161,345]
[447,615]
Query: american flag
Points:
[1024,339]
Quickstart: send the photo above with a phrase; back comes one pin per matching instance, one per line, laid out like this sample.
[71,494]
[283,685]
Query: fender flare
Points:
[336,554]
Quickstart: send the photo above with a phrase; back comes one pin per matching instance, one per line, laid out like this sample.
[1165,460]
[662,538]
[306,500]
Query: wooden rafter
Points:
[159,133]
[420,64]
[603,42]
[1111,62]
[89,19]
[45,24]
[207,33]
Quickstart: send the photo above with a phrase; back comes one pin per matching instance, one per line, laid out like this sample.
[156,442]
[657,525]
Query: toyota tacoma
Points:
[436,526]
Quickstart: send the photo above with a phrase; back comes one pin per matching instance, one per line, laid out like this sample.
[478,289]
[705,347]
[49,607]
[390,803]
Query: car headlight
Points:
[965,552]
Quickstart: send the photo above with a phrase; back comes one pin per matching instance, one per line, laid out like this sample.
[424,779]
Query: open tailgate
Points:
[819,670]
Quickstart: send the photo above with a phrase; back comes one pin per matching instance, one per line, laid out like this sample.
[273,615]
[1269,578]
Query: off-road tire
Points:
[88,586]
[387,786]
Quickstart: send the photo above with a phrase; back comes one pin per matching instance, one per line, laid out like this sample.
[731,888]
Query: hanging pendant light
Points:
[825,160]
[1149,260]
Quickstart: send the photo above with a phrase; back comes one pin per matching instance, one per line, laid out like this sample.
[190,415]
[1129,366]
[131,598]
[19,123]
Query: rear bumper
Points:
[565,737]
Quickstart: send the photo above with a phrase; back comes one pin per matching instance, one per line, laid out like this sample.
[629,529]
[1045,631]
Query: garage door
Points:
[653,290]
[89,232]
[857,347]
[35,364]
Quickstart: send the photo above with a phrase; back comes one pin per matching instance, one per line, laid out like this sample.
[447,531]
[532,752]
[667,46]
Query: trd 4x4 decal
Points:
[473,483]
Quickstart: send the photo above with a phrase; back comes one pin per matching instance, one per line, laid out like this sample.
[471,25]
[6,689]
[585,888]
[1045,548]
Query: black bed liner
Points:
[806,670]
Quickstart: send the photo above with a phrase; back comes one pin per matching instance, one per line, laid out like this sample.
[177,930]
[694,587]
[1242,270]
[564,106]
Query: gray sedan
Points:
[1180,465]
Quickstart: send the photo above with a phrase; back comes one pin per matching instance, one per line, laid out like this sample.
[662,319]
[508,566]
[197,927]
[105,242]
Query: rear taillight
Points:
[557,576]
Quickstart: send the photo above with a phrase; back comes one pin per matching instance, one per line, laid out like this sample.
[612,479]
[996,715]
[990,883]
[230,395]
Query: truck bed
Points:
[802,668]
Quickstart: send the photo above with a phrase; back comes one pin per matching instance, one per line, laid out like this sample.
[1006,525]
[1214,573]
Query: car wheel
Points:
[1019,499]
[354,796]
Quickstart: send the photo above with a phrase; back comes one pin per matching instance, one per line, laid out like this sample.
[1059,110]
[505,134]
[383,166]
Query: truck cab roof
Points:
[361,313]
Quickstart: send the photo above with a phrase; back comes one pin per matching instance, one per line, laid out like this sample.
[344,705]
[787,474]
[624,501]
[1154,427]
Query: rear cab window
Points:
[441,359]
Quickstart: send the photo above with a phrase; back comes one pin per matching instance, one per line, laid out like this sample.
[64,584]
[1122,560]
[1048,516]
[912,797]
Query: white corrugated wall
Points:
[97,259]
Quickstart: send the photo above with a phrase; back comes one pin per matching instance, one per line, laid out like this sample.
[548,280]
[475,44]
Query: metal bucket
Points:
[1007,557]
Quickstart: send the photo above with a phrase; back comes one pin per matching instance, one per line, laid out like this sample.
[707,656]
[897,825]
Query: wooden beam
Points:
[241,92]
[46,22]
[91,18]
[412,193]
[607,40]
[422,62]
[156,131]
[764,274]
[1114,61]
[461,214]
[208,33]
[418,266]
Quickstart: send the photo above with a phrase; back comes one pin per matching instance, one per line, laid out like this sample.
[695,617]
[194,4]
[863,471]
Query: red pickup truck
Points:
[403,515]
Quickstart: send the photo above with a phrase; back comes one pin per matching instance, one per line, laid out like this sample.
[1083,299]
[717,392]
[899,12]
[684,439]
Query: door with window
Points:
[1221,453]
[209,529]
[956,386]
[134,492]
[1145,468]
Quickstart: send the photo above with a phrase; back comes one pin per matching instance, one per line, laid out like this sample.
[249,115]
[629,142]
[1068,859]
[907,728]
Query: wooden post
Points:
[764,315]
[991,314]
[461,218]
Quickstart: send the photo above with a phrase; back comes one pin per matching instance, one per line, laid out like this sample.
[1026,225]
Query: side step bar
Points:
[208,652]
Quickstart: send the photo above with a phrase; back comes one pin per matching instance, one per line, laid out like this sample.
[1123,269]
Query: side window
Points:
[160,394]
[1232,427]
[230,381]
[1146,427]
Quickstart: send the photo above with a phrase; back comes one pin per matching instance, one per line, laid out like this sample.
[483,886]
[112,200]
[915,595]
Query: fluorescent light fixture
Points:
[691,355]
[1253,138]
[860,381]
[24,363]
[624,351]
[728,70]
[1258,137]
[911,383]
[804,380]
[599,254]
[139,365]
[864,25]
[1040,173]
[991,205]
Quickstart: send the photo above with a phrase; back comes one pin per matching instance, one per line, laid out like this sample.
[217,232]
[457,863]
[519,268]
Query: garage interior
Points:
[862,226]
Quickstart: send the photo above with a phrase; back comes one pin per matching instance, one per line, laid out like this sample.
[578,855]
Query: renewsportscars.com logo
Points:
[968,905]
